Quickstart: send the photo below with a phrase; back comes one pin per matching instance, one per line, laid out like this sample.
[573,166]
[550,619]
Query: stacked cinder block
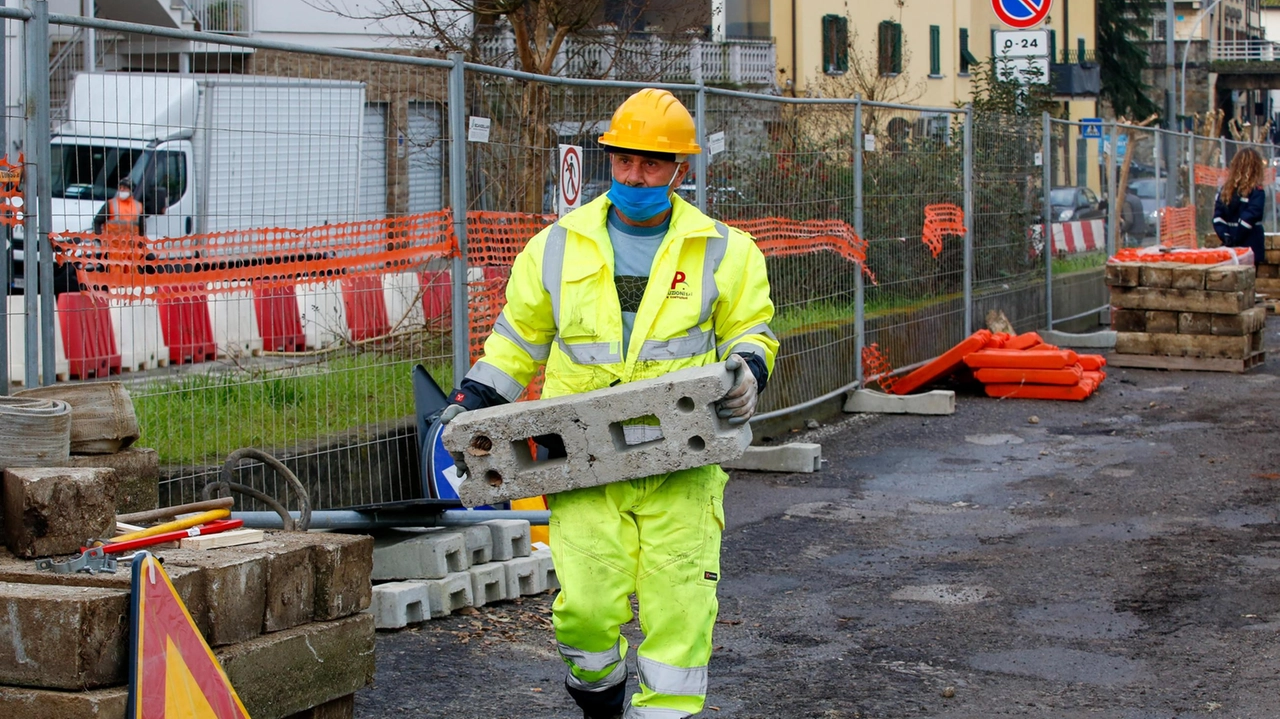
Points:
[1185,316]
[284,616]
[1268,268]
[428,573]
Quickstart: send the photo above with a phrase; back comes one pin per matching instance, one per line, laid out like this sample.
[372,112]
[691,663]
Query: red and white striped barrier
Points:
[1079,236]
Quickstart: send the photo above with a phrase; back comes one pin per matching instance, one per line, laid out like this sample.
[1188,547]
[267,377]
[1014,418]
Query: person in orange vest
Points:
[122,214]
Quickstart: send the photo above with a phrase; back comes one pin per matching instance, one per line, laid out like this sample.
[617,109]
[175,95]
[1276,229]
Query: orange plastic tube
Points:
[1024,341]
[1092,363]
[1021,359]
[943,365]
[1067,376]
[1042,391]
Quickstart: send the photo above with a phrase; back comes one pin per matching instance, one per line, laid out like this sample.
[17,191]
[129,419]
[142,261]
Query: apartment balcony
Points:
[1077,75]
[648,57]
[1245,64]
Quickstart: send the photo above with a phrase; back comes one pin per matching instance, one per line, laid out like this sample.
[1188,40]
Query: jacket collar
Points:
[591,220]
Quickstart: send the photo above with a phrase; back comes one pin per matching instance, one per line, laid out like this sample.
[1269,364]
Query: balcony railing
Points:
[649,57]
[1246,50]
[230,17]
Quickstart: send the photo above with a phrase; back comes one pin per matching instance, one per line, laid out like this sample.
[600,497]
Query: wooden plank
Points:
[233,538]
[1197,323]
[1150,298]
[1194,364]
[1122,274]
[1175,345]
[1155,276]
[1129,320]
[1245,323]
[1230,278]
[1162,322]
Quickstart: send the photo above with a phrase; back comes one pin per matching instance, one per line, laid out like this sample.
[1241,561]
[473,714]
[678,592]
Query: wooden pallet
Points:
[1192,364]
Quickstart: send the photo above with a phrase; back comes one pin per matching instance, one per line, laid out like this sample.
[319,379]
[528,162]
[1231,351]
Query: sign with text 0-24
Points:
[1021,14]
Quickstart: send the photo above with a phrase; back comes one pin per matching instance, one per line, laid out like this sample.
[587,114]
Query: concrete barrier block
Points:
[449,594]
[934,402]
[58,637]
[50,511]
[52,704]
[511,538]
[479,543]
[396,605]
[235,592]
[343,563]
[546,567]
[525,576]
[599,450]
[1103,339]
[488,583]
[798,457]
[417,554]
[289,575]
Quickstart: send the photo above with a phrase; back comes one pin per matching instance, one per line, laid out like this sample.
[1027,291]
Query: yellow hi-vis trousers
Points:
[658,537]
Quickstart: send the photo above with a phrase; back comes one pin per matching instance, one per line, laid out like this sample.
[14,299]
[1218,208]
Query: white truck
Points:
[208,153]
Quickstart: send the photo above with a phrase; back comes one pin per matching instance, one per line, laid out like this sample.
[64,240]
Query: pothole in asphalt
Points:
[948,594]
[991,440]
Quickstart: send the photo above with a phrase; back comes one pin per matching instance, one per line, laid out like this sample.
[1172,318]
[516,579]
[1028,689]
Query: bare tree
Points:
[865,77]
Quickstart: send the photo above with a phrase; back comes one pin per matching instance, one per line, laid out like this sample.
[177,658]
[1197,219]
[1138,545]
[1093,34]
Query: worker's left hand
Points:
[739,403]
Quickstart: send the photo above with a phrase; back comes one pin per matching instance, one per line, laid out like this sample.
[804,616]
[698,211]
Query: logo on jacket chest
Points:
[679,287]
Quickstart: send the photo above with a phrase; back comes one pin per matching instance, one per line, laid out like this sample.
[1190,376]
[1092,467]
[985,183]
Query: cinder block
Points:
[51,704]
[449,594]
[235,591]
[1103,339]
[488,583]
[1120,274]
[510,538]
[58,637]
[591,427]
[479,543]
[546,567]
[1195,323]
[396,605]
[137,475]
[1188,278]
[418,554]
[50,511]
[344,564]
[525,576]
[934,402]
[1155,276]
[1162,322]
[289,576]
[1230,278]
[280,674]
[798,457]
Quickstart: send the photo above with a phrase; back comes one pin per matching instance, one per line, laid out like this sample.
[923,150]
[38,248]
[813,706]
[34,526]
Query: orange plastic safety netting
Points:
[875,366]
[780,237]
[1217,176]
[212,263]
[1178,227]
[940,220]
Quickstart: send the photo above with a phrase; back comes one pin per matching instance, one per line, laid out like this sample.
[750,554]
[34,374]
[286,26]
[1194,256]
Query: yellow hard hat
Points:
[652,121]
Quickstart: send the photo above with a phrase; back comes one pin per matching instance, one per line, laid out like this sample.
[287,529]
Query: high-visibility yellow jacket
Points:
[707,297]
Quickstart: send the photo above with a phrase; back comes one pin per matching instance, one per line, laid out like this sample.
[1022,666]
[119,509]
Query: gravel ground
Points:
[1114,558]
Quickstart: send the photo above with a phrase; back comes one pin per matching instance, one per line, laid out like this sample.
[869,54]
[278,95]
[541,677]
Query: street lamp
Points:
[1182,108]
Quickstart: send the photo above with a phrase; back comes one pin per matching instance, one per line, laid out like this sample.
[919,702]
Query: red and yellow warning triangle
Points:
[172,672]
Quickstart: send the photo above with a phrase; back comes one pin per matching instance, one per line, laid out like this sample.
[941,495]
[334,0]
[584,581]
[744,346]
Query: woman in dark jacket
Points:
[1237,213]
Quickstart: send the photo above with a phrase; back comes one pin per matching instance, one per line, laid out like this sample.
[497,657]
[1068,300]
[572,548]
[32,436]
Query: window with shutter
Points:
[935,51]
[835,44]
[967,59]
[889,48]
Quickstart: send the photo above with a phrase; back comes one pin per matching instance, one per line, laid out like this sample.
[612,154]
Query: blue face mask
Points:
[642,203]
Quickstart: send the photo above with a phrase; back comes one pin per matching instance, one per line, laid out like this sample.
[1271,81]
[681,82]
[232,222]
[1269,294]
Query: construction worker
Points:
[122,214]
[631,286]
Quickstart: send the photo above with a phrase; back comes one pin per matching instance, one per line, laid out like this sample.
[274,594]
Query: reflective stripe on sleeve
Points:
[748,348]
[613,678]
[653,713]
[487,374]
[1246,225]
[698,341]
[590,352]
[591,661]
[538,352]
[757,330]
[716,248]
[675,681]
[553,266]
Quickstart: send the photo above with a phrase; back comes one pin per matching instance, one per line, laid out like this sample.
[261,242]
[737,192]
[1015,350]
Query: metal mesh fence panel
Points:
[1079,210]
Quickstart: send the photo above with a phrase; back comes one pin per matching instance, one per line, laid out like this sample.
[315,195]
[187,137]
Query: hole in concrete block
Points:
[635,432]
[493,477]
[686,404]
[697,443]
[526,583]
[527,450]
[480,445]
[493,592]
[453,560]
[413,613]
[457,599]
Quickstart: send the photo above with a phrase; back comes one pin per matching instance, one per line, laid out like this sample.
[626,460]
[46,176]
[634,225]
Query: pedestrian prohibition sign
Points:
[1021,14]
[569,188]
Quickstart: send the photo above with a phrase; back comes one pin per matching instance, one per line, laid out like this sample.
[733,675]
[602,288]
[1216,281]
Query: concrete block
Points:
[449,593]
[525,576]
[1230,278]
[57,637]
[289,576]
[51,511]
[798,457]
[510,538]
[137,474]
[488,583]
[396,605]
[340,708]
[417,554]
[51,704]
[235,591]
[479,543]
[343,564]
[934,402]
[546,567]
[1104,339]
[591,426]
[283,673]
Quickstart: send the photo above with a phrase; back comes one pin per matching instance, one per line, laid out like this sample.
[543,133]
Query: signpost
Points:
[1021,14]
[569,185]
[1022,55]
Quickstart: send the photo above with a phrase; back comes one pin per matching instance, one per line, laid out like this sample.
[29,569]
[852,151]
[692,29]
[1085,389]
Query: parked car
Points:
[1147,190]
[1075,203]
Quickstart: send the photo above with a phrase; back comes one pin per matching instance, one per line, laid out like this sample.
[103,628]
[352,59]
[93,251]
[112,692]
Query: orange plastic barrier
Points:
[943,365]
[876,365]
[1024,341]
[1178,227]
[1021,359]
[1201,256]
[1076,392]
[1065,376]
[939,220]
[1092,363]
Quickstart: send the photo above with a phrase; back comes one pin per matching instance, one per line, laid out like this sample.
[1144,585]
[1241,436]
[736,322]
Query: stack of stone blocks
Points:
[423,574]
[1268,268]
[285,617]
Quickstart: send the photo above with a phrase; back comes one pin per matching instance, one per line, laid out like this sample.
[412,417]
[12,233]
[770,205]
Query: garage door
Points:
[425,155]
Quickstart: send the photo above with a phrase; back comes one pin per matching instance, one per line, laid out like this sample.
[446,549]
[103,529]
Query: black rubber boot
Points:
[603,704]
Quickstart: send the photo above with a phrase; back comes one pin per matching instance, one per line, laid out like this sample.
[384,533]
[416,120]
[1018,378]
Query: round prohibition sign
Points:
[1021,14]
[571,176]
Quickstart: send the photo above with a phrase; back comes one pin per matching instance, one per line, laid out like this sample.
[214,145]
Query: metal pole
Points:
[968,219]
[1171,118]
[1046,162]
[1191,173]
[1275,224]
[90,38]
[39,94]
[1117,200]
[6,234]
[458,202]
[31,300]
[351,519]
[1160,201]
[859,288]
[702,159]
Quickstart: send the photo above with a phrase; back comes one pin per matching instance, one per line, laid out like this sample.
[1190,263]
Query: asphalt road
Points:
[1115,558]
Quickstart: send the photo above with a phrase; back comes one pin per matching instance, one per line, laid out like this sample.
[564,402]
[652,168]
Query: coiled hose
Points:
[34,432]
[223,487]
